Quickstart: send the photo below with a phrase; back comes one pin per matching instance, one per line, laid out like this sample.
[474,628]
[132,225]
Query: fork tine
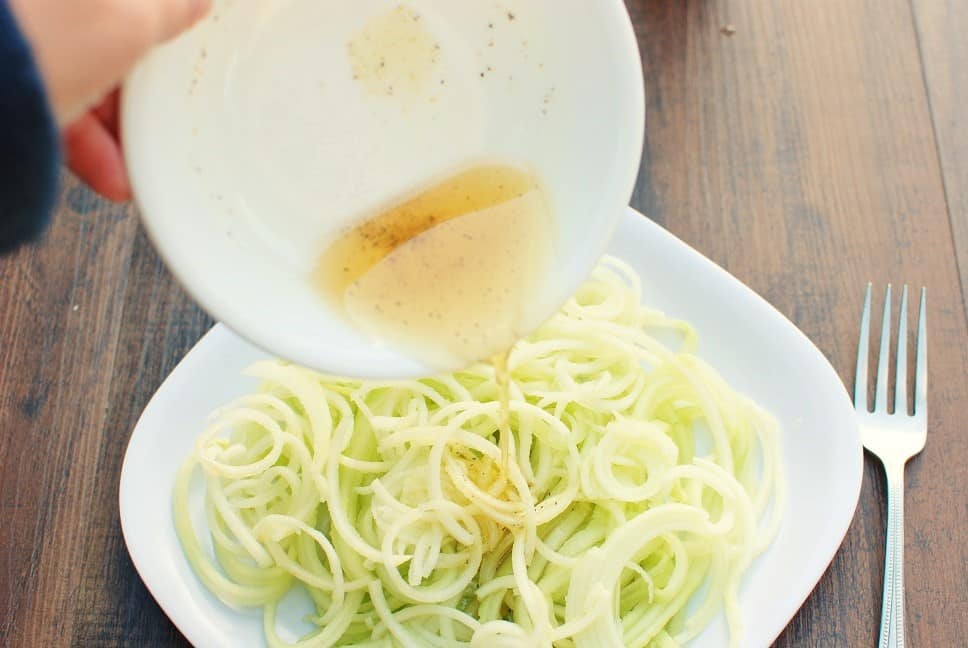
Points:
[900,378]
[880,396]
[863,351]
[921,372]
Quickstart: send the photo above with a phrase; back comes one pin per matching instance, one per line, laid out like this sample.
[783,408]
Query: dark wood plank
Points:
[798,153]
[943,34]
[161,324]
[61,303]
[92,323]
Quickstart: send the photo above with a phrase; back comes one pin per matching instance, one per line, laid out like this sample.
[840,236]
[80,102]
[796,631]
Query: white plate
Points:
[757,350]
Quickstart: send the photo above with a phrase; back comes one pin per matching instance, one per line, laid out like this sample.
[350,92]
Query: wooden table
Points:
[807,146]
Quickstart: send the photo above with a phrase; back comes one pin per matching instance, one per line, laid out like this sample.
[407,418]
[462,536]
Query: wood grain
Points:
[798,153]
[54,360]
[810,148]
[91,324]
[942,27]
[158,315]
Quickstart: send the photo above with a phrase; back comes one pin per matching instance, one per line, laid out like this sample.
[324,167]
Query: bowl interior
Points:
[250,144]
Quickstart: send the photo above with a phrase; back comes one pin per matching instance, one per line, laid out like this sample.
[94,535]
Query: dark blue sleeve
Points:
[29,140]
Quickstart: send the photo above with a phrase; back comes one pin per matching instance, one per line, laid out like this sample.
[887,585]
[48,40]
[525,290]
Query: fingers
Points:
[93,153]
[108,112]
[91,142]
[85,47]
[178,15]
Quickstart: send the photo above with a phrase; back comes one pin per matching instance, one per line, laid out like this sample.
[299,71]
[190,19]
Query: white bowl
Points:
[249,143]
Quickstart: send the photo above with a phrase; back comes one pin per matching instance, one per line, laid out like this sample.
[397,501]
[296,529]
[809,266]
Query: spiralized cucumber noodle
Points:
[639,490]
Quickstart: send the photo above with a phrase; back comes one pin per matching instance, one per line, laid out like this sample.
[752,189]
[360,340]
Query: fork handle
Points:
[892,606]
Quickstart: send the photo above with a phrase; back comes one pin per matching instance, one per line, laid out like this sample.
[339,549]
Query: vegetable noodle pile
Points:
[639,489]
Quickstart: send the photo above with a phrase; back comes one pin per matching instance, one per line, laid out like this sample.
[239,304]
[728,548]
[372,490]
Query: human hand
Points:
[93,149]
[83,49]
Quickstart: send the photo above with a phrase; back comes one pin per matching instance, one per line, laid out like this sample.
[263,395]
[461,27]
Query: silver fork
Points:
[893,438]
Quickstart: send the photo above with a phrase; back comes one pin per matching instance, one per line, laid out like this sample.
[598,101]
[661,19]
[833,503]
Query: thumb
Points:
[175,16]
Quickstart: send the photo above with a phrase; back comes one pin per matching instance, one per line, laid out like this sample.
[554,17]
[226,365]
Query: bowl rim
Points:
[379,363]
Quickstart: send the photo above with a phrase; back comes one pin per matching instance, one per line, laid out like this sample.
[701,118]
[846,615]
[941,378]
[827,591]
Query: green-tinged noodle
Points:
[640,489]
